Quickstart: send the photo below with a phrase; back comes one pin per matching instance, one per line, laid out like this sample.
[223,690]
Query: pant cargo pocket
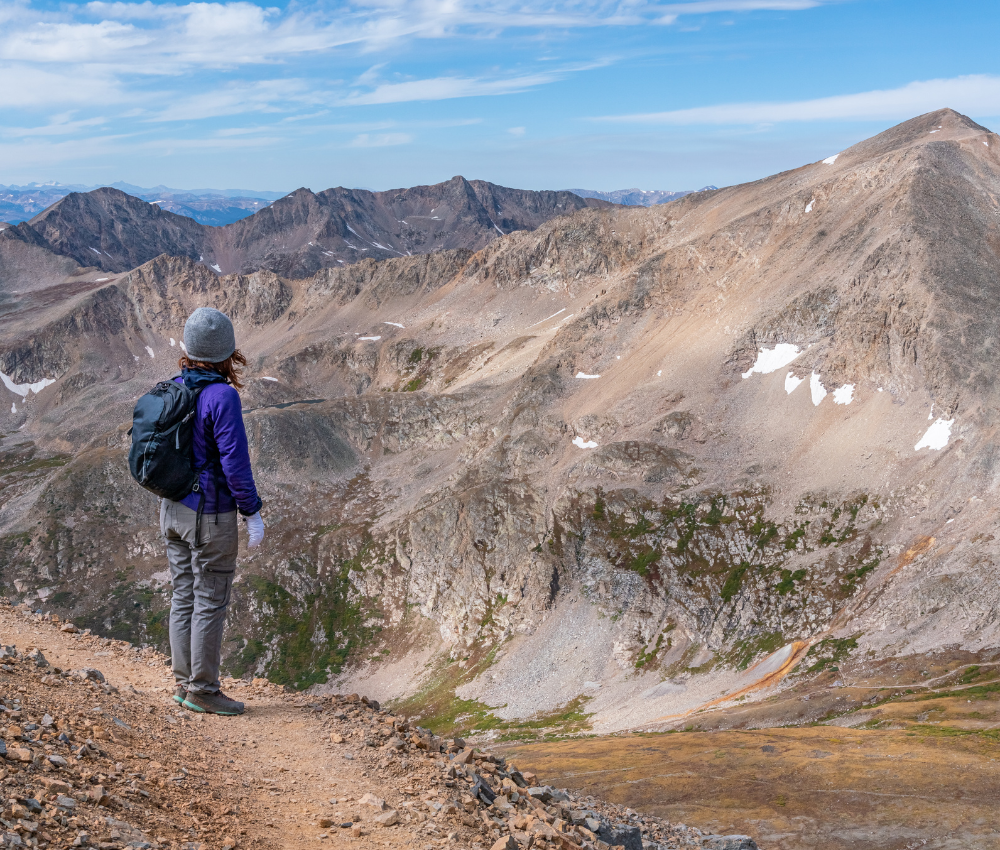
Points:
[218,587]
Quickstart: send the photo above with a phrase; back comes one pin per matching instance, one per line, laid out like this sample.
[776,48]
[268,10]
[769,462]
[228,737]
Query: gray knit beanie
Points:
[209,336]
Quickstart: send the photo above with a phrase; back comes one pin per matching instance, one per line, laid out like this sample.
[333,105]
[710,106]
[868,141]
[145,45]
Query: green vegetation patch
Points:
[746,651]
[129,612]
[734,580]
[316,635]
[855,576]
[788,579]
[830,651]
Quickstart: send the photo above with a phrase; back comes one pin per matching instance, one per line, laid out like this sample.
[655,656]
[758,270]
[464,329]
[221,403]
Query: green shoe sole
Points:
[190,706]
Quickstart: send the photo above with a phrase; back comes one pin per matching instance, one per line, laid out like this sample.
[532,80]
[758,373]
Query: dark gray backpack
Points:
[162,455]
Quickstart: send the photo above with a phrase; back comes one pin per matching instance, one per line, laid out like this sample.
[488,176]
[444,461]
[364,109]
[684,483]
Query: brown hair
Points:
[231,368]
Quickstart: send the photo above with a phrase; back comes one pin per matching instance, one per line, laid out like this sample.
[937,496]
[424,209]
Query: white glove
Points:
[255,526]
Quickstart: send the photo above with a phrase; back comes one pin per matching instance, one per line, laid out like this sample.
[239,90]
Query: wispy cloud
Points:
[59,125]
[239,99]
[445,88]
[165,38]
[978,94]
[380,140]
[29,87]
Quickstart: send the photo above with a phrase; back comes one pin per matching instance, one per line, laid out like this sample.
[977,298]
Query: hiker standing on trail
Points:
[198,516]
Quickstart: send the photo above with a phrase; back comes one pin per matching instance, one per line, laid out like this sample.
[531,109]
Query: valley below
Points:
[794,788]
[902,757]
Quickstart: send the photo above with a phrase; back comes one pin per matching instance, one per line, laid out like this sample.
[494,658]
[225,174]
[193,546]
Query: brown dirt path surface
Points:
[96,754]
[813,787]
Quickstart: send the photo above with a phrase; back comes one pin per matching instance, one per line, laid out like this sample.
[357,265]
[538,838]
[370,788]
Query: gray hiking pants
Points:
[202,579]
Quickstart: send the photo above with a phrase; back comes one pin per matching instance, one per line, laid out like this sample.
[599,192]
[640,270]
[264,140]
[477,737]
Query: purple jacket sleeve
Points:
[231,438]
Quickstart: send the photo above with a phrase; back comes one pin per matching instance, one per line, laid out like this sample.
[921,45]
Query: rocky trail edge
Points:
[95,753]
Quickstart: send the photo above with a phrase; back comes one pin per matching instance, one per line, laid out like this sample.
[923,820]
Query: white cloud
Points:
[27,87]
[239,98]
[977,94]
[71,42]
[704,7]
[380,140]
[445,88]
[59,125]
[165,38]
[516,131]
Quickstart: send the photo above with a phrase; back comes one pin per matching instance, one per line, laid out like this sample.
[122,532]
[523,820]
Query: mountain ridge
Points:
[296,235]
[207,206]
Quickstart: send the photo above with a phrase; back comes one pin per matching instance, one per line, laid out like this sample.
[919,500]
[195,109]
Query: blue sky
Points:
[541,95]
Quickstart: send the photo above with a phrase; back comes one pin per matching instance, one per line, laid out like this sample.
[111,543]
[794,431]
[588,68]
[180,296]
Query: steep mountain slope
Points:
[299,234]
[611,462]
[112,230]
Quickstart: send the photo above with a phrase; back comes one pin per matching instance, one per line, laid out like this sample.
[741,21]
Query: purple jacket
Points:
[220,410]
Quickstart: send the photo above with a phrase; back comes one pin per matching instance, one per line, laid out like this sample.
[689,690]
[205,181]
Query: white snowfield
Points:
[844,395]
[369,337]
[792,383]
[937,435]
[816,388]
[394,324]
[266,378]
[771,359]
[809,206]
[173,342]
[216,267]
[579,442]
[23,389]
[585,376]
[149,351]
[830,160]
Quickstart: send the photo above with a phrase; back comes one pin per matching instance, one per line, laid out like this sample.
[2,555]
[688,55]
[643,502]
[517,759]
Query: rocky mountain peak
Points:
[298,234]
[939,126]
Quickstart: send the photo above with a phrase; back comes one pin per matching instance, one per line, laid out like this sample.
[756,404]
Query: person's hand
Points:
[255,527]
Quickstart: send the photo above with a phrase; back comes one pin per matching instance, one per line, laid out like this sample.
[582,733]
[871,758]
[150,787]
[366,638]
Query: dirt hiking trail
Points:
[96,753]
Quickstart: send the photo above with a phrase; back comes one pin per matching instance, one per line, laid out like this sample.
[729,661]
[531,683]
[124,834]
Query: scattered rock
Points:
[89,673]
[728,842]
[376,803]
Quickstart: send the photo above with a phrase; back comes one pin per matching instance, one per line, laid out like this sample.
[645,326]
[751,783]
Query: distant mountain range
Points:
[295,236]
[638,197]
[215,207]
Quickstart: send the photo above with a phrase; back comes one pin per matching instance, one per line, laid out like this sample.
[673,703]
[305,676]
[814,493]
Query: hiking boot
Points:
[180,694]
[212,704]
